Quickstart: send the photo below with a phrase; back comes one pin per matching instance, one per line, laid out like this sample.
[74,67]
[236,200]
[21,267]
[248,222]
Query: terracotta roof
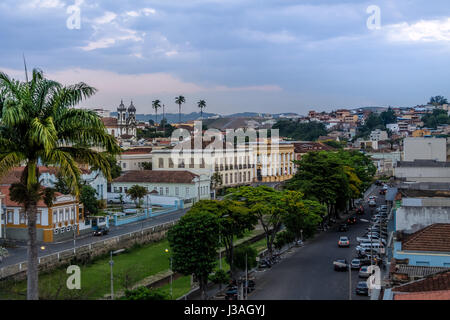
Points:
[13,176]
[138,151]
[434,282]
[435,237]
[304,147]
[157,176]
[9,203]
[109,121]
[430,295]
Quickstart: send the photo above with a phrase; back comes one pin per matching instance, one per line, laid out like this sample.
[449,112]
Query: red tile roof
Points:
[9,203]
[13,176]
[304,147]
[430,295]
[435,237]
[109,121]
[157,176]
[138,151]
[434,282]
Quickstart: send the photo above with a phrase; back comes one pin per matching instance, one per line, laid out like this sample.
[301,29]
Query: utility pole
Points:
[75,229]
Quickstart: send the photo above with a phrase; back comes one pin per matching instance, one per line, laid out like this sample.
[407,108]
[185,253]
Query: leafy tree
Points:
[40,126]
[220,277]
[436,118]
[147,165]
[388,116]
[136,193]
[144,293]
[282,238]
[216,181]
[438,101]
[62,184]
[300,131]
[234,220]
[201,104]
[243,252]
[302,216]
[156,104]
[194,242]
[264,203]
[179,101]
[89,199]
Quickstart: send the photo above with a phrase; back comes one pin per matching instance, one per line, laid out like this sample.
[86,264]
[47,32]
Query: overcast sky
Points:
[238,55]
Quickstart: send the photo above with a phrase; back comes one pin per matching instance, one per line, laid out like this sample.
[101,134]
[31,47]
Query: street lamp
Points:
[171,274]
[111,263]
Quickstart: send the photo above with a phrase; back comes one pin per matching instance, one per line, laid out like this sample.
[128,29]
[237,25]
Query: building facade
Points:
[124,126]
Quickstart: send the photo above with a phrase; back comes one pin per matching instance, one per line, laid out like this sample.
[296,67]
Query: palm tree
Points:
[179,100]
[38,126]
[156,104]
[201,104]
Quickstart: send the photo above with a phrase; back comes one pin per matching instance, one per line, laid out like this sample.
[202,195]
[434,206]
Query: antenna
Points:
[25,65]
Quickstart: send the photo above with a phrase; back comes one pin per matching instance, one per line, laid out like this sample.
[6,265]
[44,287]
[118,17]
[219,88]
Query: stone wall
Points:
[90,251]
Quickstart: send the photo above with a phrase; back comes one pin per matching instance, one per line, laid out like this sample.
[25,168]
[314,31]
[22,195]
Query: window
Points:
[187,190]
[161,163]
[22,217]
[72,213]
[177,191]
[124,165]
[170,163]
[60,214]
[161,190]
[66,214]
[38,217]
[10,215]
[226,178]
[180,163]
[191,163]
[167,190]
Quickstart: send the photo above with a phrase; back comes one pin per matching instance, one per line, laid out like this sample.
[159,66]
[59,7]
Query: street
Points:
[308,274]
[19,254]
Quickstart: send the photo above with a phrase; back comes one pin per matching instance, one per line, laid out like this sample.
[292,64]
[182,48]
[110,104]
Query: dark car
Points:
[360,210]
[362,288]
[231,294]
[383,191]
[343,227]
[378,183]
[101,231]
[351,220]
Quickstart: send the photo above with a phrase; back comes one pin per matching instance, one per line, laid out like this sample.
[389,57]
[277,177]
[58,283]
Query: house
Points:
[55,223]
[133,158]
[429,246]
[303,147]
[180,188]
[378,135]
[435,286]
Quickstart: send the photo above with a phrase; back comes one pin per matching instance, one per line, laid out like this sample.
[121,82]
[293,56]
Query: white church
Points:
[124,126]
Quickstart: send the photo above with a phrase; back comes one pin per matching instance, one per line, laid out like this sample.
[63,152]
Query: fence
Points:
[118,221]
[89,251]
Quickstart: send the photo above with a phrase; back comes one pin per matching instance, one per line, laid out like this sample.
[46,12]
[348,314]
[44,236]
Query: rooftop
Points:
[435,237]
[157,176]
[428,295]
[423,163]
[435,282]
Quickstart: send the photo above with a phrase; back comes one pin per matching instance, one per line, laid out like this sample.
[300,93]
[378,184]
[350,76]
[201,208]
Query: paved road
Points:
[308,274]
[20,254]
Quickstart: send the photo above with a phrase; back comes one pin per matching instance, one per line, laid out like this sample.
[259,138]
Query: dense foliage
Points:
[89,199]
[144,293]
[300,131]
[436,118]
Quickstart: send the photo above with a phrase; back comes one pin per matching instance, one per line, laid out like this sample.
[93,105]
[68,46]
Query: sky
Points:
[238,55]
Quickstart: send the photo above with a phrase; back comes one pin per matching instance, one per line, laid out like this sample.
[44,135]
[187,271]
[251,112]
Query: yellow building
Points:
[273,161]
[421,133]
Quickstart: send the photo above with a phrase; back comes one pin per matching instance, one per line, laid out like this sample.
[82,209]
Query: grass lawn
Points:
[129,268]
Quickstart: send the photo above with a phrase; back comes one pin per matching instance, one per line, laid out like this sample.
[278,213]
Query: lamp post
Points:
[171,274]
[111,263]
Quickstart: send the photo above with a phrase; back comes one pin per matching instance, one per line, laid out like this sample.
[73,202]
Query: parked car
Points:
[340,265]
[343,242]
[101,231]
[362,288]
[231,294]
[382,191]
[360,210]
[355,264]
[364,272]
[378,183]
[343,227]
[372,203]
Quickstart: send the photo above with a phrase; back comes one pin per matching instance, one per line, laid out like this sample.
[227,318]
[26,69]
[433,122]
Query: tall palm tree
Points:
[156,104]
[201,104]
[38,126]
[179,100]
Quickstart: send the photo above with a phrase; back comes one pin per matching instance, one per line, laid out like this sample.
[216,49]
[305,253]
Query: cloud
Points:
[421,31]
[272,37]
[144,11]
[108,17]
[48,4]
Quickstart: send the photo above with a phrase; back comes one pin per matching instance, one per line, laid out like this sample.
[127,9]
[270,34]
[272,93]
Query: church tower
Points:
[122,118]
[131,120]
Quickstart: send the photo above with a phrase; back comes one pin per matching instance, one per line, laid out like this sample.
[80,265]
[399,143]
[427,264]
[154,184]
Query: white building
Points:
[378,135]
[423,171]
[393,127]
[133,159]
[424,148]
[124,126]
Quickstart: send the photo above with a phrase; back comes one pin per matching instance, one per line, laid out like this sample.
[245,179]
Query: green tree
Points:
[40,125]
[147,165]
[156,104]
[61,184]
[220,277]
[264,203]
[216,182]
[243,252]
[194,242]
[136,193]
[438,101]
[234,220]
[88,197]
[179,101]
[201,104]
[302,216]
[310,131]
[388,116]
